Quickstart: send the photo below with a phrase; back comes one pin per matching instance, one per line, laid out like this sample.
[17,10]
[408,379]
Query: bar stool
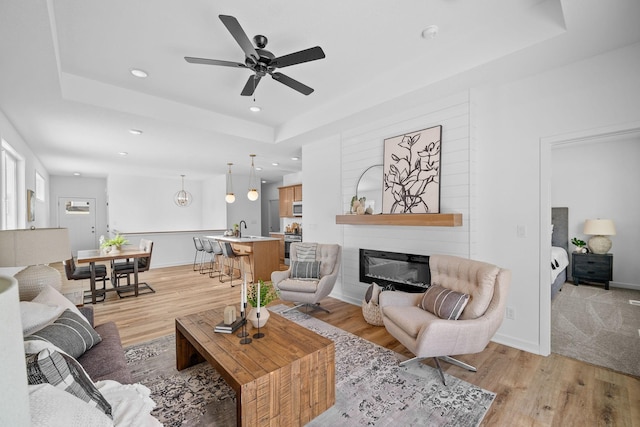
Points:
[213,249]
[199,250]
[231,257]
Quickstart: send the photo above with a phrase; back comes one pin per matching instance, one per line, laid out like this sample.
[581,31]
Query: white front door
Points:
[78,214]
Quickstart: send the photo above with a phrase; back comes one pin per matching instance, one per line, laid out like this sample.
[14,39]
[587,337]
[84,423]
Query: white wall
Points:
[28,182]
[243,208]
[599,179]
[497,177]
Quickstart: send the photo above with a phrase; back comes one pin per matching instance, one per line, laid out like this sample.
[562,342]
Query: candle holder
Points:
[243,331]
[259,334]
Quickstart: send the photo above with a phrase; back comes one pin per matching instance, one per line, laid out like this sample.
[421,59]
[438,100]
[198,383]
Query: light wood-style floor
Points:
[531,390]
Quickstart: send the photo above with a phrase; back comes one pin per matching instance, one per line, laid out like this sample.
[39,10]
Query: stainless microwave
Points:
[296,208]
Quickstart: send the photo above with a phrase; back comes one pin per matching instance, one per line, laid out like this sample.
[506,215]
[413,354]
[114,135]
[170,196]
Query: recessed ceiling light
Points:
[139,73]
[258,168]
[135,131]
[264,182]
[76,174]
[275,164]
[295,158]
[123,153]
[430,32]
[255,109]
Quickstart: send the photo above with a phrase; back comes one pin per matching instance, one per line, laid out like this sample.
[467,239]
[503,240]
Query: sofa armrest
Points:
[87,311]
[399,298]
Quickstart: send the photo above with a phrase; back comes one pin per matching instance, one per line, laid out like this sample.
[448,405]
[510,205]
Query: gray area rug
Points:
[597,326]
[371,389]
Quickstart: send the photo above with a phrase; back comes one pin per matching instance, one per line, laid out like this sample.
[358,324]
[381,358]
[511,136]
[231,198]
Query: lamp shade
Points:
[599,227]
[31,247]
[14,395]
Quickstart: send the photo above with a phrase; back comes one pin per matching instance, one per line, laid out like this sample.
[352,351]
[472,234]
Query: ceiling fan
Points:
[261,61]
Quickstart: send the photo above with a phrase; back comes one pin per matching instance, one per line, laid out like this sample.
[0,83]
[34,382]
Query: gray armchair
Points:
[292,284]
[427,335]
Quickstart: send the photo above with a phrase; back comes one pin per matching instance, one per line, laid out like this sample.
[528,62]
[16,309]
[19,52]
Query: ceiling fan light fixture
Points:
[183,198]
[229,197]
[139,73]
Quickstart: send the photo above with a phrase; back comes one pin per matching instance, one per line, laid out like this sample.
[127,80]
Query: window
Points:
[40,193]
[9,188]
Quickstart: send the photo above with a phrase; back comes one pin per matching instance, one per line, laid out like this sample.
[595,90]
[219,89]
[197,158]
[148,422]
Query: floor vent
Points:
[634,302]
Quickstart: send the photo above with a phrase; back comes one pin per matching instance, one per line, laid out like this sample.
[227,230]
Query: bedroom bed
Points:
[559,248]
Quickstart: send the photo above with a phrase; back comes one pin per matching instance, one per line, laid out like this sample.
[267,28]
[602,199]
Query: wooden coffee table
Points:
[286,378]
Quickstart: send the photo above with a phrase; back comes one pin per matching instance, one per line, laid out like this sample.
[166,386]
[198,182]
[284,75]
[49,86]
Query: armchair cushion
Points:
[297,285]
[410,319]
[443,302]
[305,270]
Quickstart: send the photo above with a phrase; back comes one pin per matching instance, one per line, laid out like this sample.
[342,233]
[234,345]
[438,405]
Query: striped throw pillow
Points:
[306,251]
[305,270]
[70,333]
[444,303]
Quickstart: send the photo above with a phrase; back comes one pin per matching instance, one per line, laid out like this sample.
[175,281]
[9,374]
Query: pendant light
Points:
[253,182]
[230,197]
[183,198]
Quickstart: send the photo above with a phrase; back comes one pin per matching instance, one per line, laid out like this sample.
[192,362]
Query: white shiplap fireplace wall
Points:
[363,147]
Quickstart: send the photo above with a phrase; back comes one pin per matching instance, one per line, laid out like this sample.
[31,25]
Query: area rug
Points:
[597,326]
[371,389]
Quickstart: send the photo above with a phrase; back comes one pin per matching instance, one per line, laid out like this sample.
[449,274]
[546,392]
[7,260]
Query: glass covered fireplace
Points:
[392,270]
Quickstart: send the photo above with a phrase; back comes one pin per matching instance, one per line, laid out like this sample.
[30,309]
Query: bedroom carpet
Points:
[371,389]
[597,326]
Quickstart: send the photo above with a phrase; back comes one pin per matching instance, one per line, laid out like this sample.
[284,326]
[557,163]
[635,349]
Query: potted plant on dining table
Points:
[264,293]
[114,245]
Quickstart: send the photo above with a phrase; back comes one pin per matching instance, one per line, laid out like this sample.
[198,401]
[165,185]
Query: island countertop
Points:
[244,239]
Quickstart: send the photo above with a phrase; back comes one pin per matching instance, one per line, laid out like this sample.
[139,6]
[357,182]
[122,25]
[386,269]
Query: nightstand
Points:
[592,268]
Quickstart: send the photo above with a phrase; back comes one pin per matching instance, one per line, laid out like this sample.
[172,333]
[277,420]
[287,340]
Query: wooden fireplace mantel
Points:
[432,220]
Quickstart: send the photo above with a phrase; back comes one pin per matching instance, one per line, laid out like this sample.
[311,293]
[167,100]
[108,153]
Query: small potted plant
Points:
[114,244]
[268,293]
[580,245]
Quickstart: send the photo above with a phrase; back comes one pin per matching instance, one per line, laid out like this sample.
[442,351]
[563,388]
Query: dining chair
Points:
[74,272]
[126,269]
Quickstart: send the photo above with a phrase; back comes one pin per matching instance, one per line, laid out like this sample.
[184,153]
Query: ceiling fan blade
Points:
[306,55]
[293,84]
[238,33]
[251,85]
[205,61]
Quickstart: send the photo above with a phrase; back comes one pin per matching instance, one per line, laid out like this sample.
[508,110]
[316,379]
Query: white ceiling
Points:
[65,81]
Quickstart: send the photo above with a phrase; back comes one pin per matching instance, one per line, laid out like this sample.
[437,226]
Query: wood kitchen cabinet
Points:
[288,195]
[281,251]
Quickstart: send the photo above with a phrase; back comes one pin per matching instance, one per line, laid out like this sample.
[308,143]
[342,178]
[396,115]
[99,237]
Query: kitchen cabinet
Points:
[288,195]
[281,251]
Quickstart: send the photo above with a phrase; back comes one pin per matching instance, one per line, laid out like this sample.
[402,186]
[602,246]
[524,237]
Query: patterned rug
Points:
[371,389]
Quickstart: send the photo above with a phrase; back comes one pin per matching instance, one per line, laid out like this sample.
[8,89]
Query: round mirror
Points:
[370,186]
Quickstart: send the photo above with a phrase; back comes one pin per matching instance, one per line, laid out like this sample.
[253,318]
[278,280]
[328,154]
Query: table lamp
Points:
[34,248]
[599,229]
[14,395]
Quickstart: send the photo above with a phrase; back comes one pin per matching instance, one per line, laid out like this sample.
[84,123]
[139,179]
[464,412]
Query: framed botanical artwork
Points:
[412,172]
[31,205]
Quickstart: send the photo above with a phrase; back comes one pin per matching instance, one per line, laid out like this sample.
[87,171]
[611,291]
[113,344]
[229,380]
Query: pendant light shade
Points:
[183,198]
[253,182]
[230,197]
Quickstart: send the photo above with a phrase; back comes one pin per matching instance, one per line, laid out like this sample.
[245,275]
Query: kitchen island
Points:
[263,253]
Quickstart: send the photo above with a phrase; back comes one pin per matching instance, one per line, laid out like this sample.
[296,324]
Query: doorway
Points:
[78,214]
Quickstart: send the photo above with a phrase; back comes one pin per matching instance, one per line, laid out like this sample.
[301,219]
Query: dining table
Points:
[91,256]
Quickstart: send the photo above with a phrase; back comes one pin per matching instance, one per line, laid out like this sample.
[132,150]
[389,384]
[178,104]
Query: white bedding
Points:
[559,261]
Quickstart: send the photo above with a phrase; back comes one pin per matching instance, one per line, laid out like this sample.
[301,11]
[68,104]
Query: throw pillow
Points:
[51,296]
[70,333]
[373,293]
[65,373]
[305,270]
[35,316]
[444,303]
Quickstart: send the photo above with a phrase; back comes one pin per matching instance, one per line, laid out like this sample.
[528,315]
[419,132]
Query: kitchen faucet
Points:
[240,228]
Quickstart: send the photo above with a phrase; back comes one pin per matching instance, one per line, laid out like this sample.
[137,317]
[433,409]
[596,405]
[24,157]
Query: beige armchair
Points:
[427,335]
[308,291]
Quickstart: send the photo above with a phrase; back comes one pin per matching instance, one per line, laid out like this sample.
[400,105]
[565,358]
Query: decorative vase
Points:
[115,249]
[253,316]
